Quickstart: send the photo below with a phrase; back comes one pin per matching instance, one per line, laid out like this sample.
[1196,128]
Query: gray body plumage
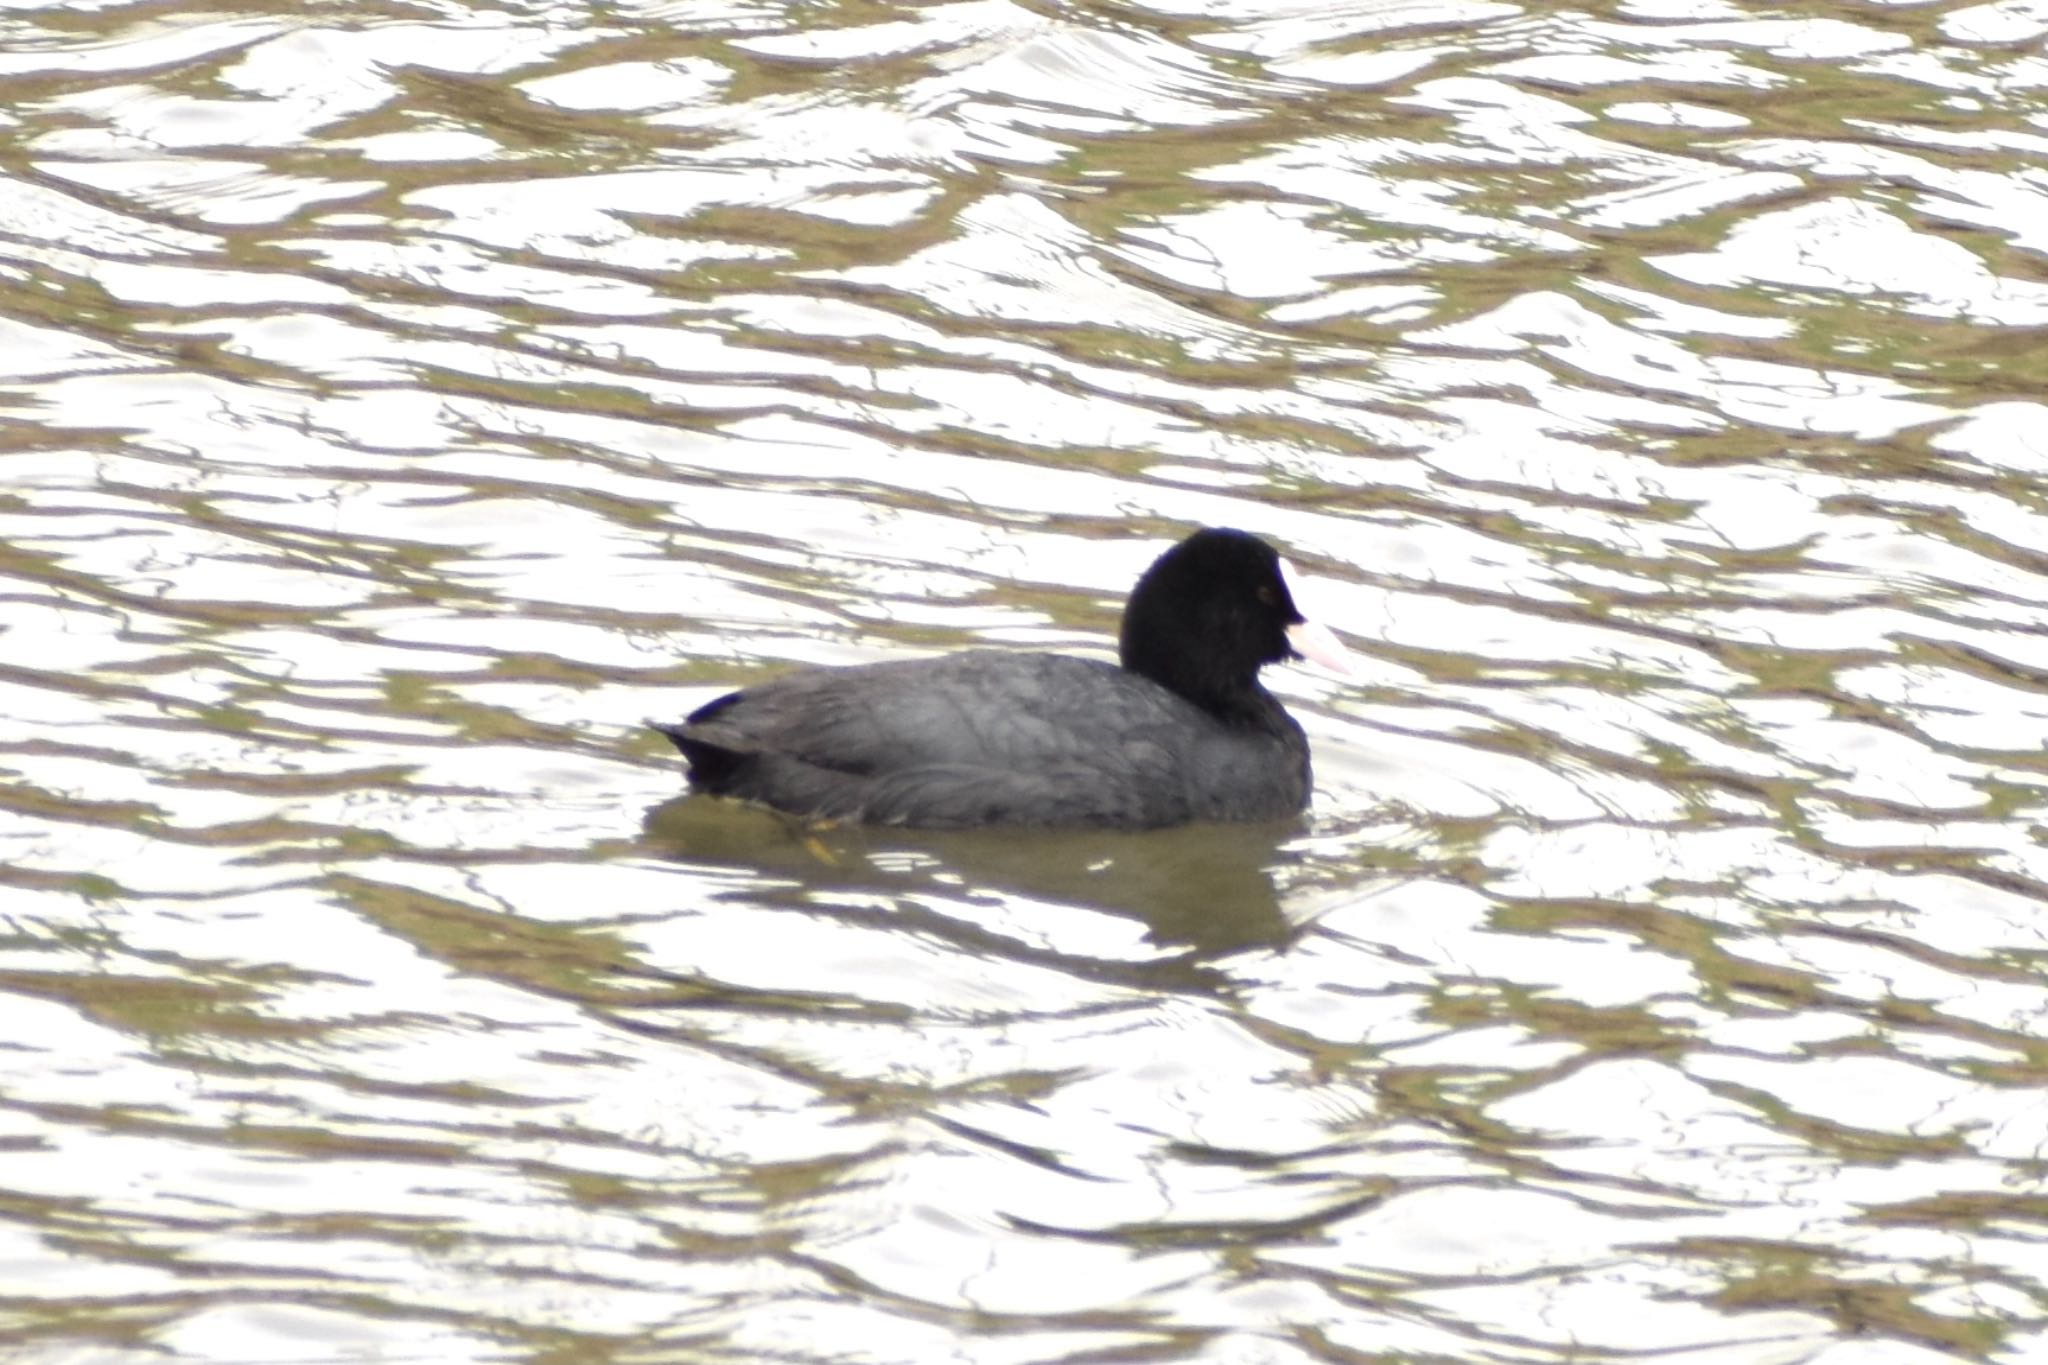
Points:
[993,737]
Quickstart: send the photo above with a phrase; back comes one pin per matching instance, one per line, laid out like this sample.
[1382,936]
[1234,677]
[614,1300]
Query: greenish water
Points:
[398,404]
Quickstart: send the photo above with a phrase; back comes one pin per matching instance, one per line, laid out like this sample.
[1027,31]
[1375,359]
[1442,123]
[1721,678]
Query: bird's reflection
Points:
[1210,889]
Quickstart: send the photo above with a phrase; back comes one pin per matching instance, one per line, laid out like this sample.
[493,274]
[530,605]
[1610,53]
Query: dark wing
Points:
[981,708]
[970,739]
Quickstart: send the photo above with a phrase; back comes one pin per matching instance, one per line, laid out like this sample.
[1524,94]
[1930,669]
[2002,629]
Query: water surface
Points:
[398,403]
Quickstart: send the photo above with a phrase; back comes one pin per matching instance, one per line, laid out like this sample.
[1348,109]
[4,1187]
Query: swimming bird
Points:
[1178,731]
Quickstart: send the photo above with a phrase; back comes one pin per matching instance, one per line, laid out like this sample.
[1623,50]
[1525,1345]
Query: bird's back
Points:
[990,737]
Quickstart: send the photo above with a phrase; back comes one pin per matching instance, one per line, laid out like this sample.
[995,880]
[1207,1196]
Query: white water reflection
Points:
[400,411]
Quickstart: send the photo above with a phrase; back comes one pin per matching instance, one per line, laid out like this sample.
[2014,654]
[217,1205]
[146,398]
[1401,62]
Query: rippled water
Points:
[402,402]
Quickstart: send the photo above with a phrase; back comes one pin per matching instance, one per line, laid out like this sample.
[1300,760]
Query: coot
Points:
[1181,731]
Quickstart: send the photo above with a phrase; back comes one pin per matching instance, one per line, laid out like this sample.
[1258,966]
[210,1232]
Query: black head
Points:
[1204,619]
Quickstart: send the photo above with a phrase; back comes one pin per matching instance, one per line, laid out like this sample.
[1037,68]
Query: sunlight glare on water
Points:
[398,406]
